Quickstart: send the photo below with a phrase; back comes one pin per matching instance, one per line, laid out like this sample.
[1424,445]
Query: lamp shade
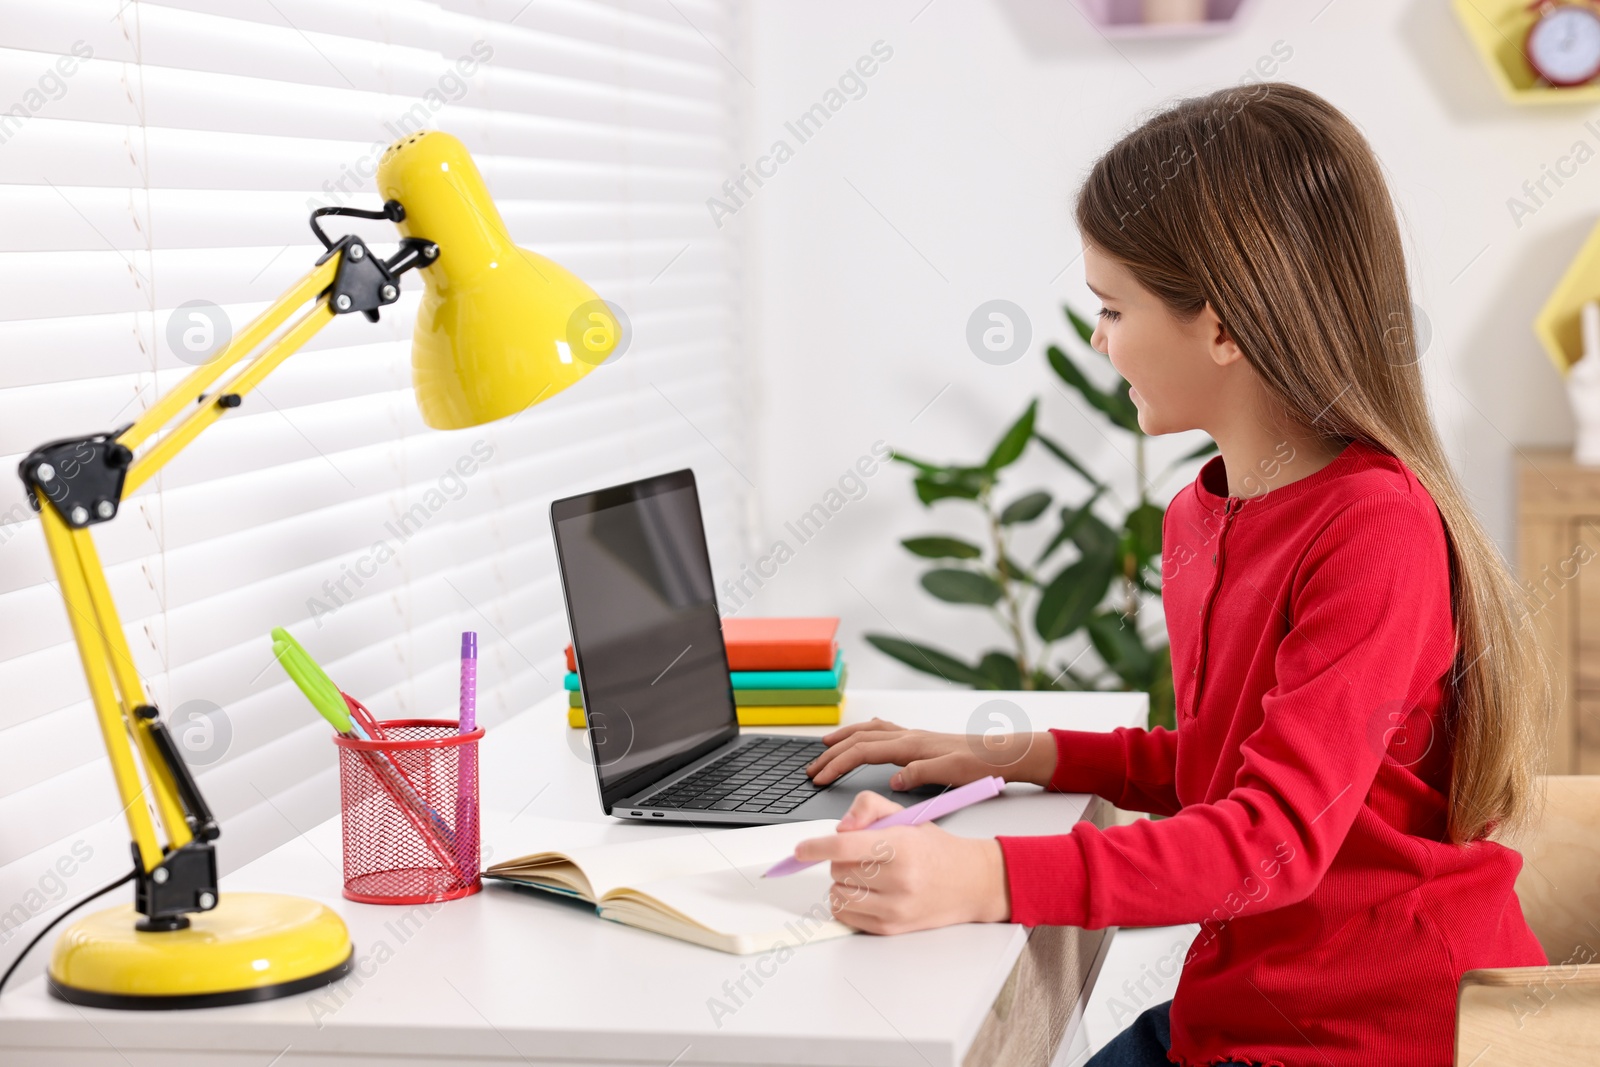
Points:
[500,328]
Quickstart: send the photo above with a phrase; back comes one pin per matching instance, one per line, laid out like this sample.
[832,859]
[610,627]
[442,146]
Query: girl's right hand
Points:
[934,758]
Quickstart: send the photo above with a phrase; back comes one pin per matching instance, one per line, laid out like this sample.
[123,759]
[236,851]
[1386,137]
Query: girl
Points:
[1361,702]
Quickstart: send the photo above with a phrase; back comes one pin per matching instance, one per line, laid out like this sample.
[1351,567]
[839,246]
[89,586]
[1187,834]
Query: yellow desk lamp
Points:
[499,329]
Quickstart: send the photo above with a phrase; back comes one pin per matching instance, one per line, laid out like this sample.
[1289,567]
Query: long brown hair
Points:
[1266,202]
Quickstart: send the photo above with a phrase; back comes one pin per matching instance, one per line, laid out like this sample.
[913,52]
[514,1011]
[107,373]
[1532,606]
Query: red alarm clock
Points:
[1563,44]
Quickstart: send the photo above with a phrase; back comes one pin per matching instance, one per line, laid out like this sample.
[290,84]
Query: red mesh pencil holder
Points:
[409,806]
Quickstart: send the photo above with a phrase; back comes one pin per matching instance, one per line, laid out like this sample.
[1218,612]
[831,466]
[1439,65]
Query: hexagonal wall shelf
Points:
[1125,18]
[1557,325]
[1497,29]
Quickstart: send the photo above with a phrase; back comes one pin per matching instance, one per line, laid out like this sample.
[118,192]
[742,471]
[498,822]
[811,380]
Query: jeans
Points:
[1143,1044]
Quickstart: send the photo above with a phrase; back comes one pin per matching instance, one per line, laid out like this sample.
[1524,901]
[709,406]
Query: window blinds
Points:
[157,165]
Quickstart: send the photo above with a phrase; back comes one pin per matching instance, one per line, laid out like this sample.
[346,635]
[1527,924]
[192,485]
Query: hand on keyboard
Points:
[935,758]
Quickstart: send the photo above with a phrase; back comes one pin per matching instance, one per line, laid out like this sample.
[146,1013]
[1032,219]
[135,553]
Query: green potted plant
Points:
[1114,570]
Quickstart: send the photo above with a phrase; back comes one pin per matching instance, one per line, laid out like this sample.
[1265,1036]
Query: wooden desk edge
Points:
[1028,1019]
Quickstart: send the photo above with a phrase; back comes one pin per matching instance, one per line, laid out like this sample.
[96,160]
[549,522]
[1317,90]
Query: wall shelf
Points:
[1122,18]
[1497,29]
[1557,325]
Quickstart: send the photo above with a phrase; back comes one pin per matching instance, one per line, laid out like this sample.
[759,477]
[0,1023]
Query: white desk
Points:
[509,976]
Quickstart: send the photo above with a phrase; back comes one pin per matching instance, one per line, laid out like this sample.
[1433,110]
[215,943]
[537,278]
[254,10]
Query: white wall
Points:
[950,182]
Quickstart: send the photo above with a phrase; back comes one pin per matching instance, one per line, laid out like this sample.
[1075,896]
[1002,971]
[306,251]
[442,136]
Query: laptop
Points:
[653,670]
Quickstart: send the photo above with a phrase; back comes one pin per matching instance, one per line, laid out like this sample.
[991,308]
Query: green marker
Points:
[312,681]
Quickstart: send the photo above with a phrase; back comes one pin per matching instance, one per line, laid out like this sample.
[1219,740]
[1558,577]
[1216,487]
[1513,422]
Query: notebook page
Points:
[608,865]
[746,912]
[638,862]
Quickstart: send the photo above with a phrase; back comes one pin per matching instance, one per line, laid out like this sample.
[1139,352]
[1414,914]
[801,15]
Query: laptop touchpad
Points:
[835,800]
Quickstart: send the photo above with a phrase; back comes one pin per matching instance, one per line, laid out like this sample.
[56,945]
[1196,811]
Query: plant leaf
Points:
[1114,405]
[1070,517]
[1082,326]
[962,587]
[1009,448]
[927,660]
[935,483]
[942,548]
[1062,454]
[1122,649]
[930,488]
[1143,530]
[1025,508]
[926,468]
[1069,372]
[1163,699]
[1001,670]
[1044,681]
[1141,578]
[1015,570]
[1072,596]
[1093,537]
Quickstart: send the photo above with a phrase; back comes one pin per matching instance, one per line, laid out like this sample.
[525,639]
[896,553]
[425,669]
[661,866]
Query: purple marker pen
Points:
[467,762]
[469,681]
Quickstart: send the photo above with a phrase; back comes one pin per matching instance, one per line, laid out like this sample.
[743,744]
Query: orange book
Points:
[808,644]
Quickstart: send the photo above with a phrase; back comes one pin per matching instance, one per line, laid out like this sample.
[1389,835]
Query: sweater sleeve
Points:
[1133,769]
[1370,630]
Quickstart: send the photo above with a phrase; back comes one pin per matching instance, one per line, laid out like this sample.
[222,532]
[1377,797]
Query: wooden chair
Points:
[1550,1016]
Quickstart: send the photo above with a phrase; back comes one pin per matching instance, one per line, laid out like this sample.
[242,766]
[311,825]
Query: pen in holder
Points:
[467,768]
[410,814]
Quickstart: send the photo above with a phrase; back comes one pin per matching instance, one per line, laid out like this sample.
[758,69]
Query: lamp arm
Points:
[76,483]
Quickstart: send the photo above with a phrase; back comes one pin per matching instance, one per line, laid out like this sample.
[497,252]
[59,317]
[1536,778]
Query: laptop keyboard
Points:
[768,775]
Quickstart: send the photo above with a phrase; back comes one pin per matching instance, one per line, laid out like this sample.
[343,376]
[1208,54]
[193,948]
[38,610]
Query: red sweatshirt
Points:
[1306,783]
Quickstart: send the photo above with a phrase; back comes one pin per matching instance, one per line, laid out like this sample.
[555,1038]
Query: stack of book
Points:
[786,672]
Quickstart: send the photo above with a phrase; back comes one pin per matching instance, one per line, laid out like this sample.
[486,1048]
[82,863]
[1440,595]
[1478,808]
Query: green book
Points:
[746,698]
[833,679]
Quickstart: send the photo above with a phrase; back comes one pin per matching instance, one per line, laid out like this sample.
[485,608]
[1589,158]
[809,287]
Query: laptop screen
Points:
[645,628]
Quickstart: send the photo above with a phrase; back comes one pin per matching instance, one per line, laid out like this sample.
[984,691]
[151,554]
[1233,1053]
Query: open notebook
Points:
[704,887]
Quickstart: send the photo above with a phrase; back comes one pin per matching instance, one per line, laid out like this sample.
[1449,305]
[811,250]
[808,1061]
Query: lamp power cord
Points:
[124,880]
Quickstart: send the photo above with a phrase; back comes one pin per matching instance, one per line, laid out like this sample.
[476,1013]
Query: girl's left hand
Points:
[908,877]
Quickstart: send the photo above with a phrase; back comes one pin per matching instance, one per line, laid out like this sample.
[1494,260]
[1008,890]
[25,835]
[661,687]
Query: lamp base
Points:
[250,947]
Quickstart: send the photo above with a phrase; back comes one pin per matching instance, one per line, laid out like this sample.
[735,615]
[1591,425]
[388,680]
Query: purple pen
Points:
[469,681]
[467,762]
[926,811]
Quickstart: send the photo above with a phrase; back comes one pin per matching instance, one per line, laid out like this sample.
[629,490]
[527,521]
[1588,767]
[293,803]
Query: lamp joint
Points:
[82,477]
[362,281]
[184,881]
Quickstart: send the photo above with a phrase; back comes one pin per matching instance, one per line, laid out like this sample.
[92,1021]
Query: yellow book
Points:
[763,715]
